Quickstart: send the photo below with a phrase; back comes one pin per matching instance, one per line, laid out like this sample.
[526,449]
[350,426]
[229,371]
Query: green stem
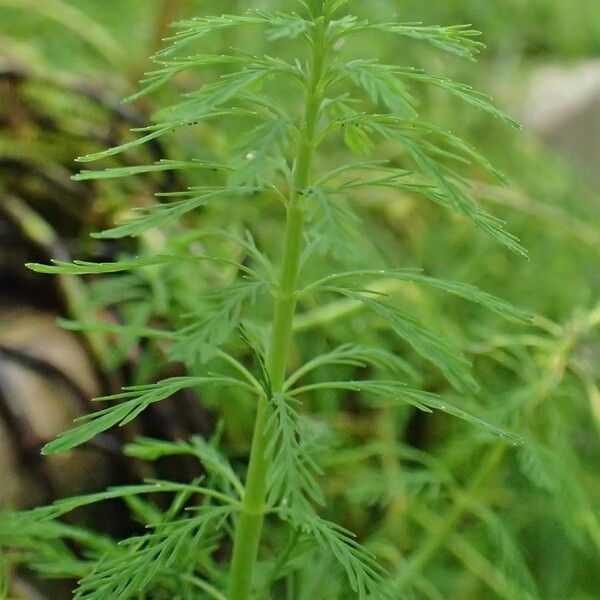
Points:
[250,524]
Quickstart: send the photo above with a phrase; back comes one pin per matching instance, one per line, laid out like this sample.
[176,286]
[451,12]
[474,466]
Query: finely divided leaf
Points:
[170,551]
[162,165]
[334,227]
[217,317]
[463,91]
[292,479]
[213,460]
[135,399]
[460,40]
[366,576]
[356,279]
[426,342]
[395,391]
[159,214]
[382,85]
[356,356]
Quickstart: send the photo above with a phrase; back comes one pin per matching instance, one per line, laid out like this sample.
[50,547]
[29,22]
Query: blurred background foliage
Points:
[453,513]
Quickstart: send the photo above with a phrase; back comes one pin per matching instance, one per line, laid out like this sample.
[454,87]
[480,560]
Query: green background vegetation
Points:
[457,510]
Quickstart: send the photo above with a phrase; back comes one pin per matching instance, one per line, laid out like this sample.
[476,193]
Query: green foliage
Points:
[134,400]
[218,301]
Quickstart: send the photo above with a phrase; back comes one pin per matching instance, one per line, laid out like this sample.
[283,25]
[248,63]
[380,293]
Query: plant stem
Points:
[252,516]
[249,528]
